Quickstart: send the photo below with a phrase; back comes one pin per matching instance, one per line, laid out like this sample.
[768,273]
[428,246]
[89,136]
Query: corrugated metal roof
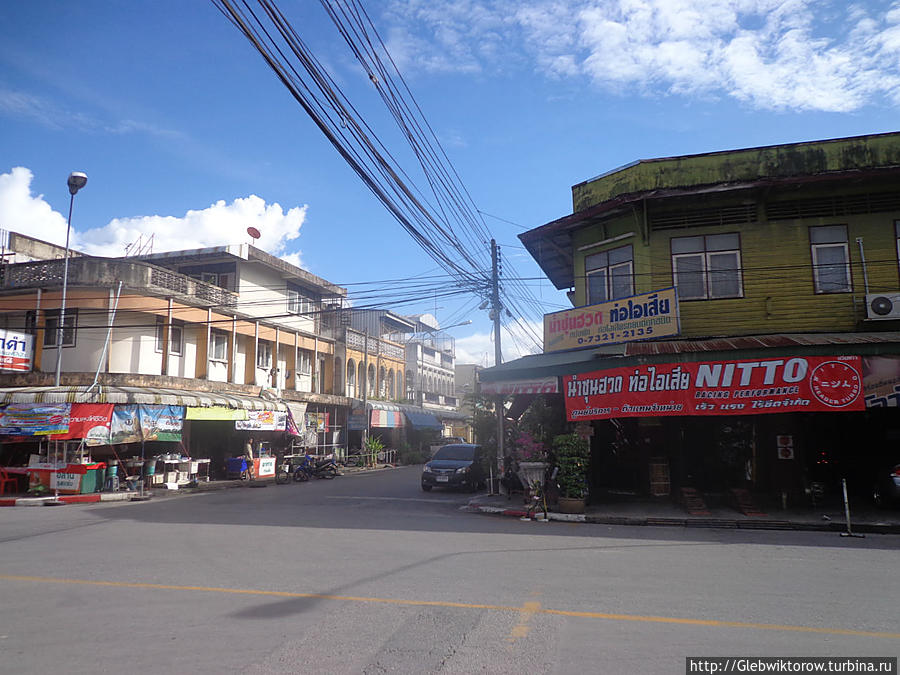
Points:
[612,356]
[143,395]
[724,344]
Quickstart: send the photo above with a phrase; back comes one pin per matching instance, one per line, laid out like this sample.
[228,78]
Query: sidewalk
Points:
[662,512]
[24,499]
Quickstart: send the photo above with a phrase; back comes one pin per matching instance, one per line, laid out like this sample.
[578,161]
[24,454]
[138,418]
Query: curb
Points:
[705,523]
[210,486]
[69,499]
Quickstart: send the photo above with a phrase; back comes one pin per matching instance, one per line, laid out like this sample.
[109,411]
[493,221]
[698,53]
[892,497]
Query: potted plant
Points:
[532,457]
[572,455]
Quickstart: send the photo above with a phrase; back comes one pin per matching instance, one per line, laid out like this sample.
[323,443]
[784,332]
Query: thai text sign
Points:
[16,351]
[640,317]
[807,384]
[34,419]
[546,385]
[262,420]
[133,423]
[90,421]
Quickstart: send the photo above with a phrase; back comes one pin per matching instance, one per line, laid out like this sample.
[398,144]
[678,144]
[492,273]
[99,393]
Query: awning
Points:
[386,419]
[555,364]
[422,420]
[298,412]
[391,415]
[544,385]
[144,395]
[214,413]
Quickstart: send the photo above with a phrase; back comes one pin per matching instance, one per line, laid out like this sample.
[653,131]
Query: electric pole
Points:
[498,354]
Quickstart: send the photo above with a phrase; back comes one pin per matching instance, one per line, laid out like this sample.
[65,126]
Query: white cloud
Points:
[517,339]
[771,54]
[217,225]
[20,211]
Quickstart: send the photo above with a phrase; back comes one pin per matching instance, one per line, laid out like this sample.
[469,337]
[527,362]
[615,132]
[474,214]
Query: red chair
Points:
[6,479]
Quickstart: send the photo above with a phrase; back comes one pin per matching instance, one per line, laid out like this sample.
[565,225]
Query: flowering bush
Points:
[529,448]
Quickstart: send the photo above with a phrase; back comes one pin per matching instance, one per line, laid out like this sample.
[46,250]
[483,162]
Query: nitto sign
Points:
[16,350]
[750,387]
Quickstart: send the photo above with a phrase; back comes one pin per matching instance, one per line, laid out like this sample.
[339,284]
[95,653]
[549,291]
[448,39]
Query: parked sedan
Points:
[458,465]
[887,487]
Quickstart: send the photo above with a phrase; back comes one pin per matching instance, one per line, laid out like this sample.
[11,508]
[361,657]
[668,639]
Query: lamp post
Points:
[77,180]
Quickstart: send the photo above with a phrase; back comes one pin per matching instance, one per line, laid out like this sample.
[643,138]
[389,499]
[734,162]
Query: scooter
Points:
[311,468]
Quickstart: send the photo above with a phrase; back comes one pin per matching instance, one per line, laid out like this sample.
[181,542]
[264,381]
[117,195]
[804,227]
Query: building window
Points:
[263,354]
[707,267]
[176,336]
[218,345]
[304,365]
[298,303]
[610,275]
[830,258]
[51,326]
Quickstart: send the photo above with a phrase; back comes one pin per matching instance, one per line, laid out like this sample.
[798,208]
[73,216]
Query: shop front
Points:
[121,441]
[788,424]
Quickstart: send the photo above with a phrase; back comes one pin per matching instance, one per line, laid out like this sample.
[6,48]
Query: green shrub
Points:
[572,455]
[408,455]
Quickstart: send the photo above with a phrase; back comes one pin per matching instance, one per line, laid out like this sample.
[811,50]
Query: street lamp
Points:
[77,180]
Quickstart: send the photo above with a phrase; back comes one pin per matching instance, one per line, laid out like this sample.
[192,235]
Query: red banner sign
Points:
[89,421]
[799,384]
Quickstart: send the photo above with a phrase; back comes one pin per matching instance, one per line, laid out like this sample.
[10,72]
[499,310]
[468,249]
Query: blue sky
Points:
[184,132]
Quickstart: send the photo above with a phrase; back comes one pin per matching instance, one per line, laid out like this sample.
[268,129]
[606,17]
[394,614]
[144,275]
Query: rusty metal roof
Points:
[612,356]
[724,344]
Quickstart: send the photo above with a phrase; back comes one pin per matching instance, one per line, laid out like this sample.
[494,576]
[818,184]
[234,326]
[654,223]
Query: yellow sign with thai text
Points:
[648,316]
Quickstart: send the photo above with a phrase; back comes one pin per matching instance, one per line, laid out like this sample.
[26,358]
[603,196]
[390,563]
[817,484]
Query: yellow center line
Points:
[526,611]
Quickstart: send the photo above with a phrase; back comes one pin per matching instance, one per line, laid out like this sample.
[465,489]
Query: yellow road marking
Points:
[520,630]
[531,608]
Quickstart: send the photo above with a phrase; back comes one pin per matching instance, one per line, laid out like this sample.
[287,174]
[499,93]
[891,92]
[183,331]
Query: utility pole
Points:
[498,353]
[365,385]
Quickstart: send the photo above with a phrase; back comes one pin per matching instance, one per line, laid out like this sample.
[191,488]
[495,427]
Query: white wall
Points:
[263,294]
[133,350]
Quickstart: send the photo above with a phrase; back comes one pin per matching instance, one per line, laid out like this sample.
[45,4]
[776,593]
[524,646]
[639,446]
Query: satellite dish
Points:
[253,232]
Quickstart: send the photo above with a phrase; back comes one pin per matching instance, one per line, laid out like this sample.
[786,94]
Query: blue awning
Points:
[422,420]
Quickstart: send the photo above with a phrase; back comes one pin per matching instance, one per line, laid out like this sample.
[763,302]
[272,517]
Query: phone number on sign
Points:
[611,337]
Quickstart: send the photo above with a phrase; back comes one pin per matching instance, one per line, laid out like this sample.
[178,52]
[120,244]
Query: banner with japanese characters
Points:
[746,387]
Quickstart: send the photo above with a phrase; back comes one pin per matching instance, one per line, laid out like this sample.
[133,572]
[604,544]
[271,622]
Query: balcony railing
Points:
[106,272]
[357,341]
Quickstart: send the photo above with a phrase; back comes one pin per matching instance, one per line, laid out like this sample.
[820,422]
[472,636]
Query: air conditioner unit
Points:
[883,306]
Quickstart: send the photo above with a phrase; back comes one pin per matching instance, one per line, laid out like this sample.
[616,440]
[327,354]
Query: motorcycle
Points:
[312,468]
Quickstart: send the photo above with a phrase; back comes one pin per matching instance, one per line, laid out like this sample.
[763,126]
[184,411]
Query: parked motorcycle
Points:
[312,468]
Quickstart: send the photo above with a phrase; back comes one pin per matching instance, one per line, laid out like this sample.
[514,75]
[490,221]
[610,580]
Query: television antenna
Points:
[139,246]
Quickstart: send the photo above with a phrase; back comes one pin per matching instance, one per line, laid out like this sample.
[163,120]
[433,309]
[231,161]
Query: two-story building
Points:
[736,318]
[220,331]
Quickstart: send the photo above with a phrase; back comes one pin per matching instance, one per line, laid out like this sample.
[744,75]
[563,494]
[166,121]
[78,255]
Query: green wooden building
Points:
[780,252]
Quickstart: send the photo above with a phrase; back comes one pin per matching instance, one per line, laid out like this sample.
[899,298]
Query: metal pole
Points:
[849,532]
[62,309]
[106,342]
[498,352]
[365,386]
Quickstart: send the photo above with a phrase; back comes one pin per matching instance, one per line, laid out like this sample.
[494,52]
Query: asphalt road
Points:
[368,574]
